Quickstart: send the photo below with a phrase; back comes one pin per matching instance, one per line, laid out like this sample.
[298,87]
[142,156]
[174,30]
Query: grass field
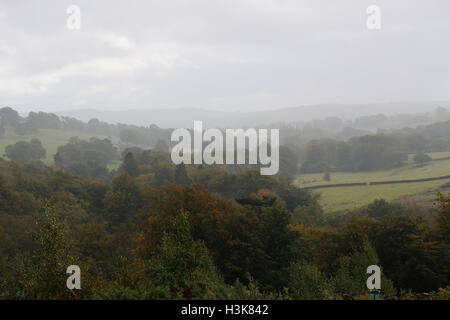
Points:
[338,199]
[50,139]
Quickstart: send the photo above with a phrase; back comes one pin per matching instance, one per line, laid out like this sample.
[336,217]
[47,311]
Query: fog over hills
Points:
[184,117]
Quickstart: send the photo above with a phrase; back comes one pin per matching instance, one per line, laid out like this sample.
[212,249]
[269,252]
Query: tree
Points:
[280,245]
[124,200]
[181,176]
[416,143]
[376,152]
[443,219]
[161,146]
[44,120]
[315,159]
[351,275]
[130,165]
[130,136]
[442,233]
[9,117]
[421,158]
[311,215]
[23,151]
[214,220]
[182,264]
[381,207]
[86,158]
[409,257]
[307,282]
[164,173]
[93,125]
[72,124]
[288,163]
[47,271]
[344,161]
[26,128]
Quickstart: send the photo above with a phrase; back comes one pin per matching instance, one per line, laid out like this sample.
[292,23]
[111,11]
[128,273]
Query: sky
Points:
[230,55]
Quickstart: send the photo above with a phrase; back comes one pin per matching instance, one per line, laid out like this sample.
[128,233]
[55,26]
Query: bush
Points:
[24,151]
[308,283]
[442,294]
[351,275]
[182,264]
[311,215]
[381,207]
[421,158]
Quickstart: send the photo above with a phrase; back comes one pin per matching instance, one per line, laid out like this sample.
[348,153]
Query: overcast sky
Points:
[221,54]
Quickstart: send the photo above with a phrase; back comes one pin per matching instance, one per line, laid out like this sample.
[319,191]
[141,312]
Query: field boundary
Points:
[375,183]
[440,159]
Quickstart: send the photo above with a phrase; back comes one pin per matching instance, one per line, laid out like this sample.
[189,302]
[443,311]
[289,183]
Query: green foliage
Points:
[239,291]
[442,294]
[408,255]
[182,264]
[119,292]
[46,270]
[24,151]
[381,207]
[161,146]
[234,239]
[181,176]
[421,158]
[26,128]
[44,120]
[130,165]
[288,166]
[9,117]
[280,245]
[443,219]
[387,287]
[311,215]
[351,275]
[363,153]
[86,158]
[124,199]
[164,173]
[307,282]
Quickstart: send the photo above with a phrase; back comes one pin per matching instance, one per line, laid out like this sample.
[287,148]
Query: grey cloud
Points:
[241,55]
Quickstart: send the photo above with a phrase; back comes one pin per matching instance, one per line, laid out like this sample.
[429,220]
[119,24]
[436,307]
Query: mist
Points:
[224,56]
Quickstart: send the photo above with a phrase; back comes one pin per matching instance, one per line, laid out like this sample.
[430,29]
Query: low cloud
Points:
[223,55]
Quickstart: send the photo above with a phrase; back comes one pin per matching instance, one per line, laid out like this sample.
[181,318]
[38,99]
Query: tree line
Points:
[211,234]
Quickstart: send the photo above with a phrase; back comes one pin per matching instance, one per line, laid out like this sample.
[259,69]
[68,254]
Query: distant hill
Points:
[174,118]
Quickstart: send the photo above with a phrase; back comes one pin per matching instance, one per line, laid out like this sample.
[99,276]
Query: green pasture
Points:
[50,139]
[338,199]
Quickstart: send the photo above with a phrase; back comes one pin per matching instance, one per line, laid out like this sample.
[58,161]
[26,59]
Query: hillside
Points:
[345,198]
[177,117]
[51,139]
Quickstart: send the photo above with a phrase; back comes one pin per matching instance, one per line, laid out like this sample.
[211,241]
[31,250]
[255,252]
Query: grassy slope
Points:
[348,198]
[50,139]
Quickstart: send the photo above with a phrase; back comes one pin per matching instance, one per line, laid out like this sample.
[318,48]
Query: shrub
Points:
[421,158]
[308,283]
